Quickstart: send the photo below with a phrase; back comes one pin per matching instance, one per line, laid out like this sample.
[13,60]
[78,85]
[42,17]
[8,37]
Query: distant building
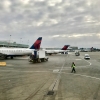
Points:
[12,45]
[89,49]
[74,47]
[52,48]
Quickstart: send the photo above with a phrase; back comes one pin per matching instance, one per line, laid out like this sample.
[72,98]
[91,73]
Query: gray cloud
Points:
[54,20]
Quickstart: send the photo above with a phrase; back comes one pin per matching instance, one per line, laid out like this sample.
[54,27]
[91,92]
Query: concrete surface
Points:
[21,80]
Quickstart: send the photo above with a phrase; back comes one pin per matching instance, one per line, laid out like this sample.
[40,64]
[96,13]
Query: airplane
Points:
[92,49]
[14,52]
[63,50]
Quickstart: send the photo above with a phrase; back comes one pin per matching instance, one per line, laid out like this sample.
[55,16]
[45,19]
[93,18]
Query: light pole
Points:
[20,40]
[28,43]
[9,41]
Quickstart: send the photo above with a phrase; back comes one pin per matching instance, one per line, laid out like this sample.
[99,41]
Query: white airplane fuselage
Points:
[55,51]
[16,51]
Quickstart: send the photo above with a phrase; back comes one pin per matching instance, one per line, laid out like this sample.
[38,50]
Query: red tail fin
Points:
[37,44]
[65,47]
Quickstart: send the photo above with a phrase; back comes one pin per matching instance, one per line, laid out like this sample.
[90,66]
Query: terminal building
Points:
[17,45]
[12,44]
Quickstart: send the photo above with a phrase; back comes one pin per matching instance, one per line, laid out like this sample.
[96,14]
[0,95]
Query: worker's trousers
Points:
[73,70]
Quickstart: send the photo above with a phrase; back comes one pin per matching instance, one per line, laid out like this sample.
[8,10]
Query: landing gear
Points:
[2,57]
[11,57]
[39,60]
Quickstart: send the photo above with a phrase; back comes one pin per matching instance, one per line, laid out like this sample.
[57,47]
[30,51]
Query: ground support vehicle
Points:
[2,56]
[77,53]
[38,56]
[86,56]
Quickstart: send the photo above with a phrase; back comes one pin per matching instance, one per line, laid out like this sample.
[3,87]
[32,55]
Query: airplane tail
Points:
[92,49]
[37,44]
[65,47]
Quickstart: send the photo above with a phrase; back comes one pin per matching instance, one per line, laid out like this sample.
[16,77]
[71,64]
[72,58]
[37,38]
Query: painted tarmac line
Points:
[78,59]
[26,71]
[9,65]
[83,75]
[68,68]
[87,61]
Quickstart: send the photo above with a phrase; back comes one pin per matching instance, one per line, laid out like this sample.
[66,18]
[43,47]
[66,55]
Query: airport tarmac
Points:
[51,80]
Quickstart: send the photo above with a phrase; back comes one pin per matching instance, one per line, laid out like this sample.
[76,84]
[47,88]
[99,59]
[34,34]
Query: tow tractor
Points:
[77,53]
[2,56]
[38,56]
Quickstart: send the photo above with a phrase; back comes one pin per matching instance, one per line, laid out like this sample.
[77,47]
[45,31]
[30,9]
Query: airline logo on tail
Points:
[65,47]
[37,44]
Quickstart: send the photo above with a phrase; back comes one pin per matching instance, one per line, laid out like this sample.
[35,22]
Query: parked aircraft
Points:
[63,50]
[13,52]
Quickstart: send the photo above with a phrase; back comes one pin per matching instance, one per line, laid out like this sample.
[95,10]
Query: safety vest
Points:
[73,65]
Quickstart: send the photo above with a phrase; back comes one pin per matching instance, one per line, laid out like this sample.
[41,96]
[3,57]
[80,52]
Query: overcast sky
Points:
[58,22]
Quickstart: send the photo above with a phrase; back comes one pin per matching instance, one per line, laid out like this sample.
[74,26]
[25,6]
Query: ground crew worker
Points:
[73,67]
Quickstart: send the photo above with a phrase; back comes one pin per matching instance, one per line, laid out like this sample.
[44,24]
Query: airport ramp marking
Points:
[9,64]
[66,68]
[87,61]
[83,75]
[26,71]
[56,70]
[78,59]
[54,86]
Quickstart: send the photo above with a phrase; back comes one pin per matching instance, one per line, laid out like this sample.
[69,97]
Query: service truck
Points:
[38,56]
[77,53]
